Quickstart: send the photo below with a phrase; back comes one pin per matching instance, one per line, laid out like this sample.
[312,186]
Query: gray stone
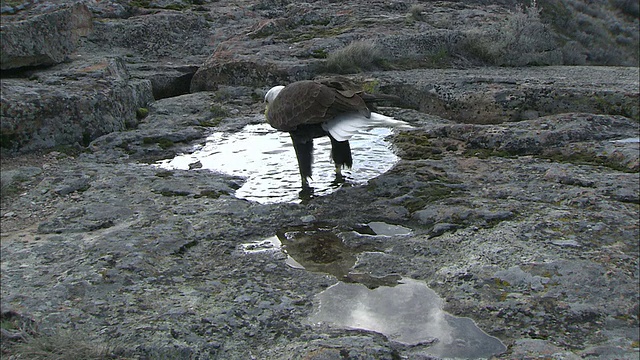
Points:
[44,39]
[98,98]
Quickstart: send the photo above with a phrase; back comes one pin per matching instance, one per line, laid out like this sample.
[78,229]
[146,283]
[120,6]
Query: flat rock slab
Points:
[494,95]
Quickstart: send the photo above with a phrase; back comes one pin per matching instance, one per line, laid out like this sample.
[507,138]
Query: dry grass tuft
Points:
[522,39]
[62,345]
[358,56]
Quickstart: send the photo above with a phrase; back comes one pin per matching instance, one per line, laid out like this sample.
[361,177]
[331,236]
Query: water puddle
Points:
[265,157]
[270,244]
[409,313]
[319,249]
[628,140]
[378,228]
[403,309]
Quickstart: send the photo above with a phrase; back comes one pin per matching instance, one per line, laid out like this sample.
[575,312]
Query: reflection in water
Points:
[628,140]
[404,310]
[267,159]
[378,228]
[319,249]
[269,244]
[409,313]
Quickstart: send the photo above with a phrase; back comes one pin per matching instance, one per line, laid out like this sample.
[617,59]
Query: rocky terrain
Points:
[516,193]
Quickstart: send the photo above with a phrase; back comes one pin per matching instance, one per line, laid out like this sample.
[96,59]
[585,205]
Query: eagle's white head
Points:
[273,93]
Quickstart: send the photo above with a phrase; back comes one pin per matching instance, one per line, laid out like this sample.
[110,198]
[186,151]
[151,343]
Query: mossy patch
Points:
[174,193]
[210,123]
[218,113]
[416,145]
[614,105]
[211,194]
[501,283]
[14,2]
[164,143]
[142,113]
[164,173]
[70,150]
[61,344]
[371,86]
[319,54]
[7,141]
[358,56]
[140,3]
[126,147]
[486,153]
[582,158]
[423,196]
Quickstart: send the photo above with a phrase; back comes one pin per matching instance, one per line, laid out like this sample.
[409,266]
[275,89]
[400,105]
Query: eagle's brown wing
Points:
[310,102]
[348,88]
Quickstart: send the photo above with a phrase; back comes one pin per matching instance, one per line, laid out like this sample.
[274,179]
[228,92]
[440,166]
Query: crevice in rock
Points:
[171,84]
[23,72]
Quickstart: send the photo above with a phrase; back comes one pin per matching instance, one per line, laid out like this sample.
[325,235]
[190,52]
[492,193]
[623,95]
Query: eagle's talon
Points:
[306,193]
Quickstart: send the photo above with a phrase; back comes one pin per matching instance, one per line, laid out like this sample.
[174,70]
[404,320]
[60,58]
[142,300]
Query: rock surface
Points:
[520,187]
[45,39]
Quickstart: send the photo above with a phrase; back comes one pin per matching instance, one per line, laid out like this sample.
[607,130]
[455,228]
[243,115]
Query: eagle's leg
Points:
[304,153]
[341,155]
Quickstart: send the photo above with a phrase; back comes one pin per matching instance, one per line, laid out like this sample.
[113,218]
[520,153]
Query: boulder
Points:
[44,39]
[72,107]
[250,72]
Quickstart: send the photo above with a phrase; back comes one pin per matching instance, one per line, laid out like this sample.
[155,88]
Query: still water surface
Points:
[266,158]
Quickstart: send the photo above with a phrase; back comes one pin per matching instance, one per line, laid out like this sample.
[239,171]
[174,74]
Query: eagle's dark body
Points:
[311,109]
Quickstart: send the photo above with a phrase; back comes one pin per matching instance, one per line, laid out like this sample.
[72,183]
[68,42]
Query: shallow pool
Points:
[266,158]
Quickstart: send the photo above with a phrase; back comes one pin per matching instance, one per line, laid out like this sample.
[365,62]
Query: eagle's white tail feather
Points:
[344,126]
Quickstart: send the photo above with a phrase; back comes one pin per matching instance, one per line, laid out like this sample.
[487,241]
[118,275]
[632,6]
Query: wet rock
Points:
[535,347]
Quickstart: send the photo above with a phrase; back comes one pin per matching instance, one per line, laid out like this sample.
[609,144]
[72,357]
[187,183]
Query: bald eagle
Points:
[333,107]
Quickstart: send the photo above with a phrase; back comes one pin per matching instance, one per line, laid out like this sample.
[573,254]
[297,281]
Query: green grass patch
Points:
[164,143]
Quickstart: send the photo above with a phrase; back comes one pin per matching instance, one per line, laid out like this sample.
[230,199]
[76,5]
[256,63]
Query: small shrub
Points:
[218,111]
[627,7]
[142,113]
[522,39]
[416,13]
[358,56]
[319,54]
[574,54]
[62,345]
